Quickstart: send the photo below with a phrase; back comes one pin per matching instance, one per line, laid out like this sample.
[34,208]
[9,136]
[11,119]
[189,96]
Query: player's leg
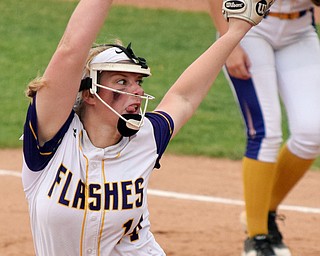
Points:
[259,103]
[290,168]
[299,87]
[299,81]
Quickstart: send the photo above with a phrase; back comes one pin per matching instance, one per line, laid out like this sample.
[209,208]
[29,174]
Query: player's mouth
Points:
[133,108]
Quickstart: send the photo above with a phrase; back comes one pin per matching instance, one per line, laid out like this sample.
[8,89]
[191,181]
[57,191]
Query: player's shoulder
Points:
[160,117]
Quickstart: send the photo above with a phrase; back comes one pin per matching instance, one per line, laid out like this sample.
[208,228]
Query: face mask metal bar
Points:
[134,123]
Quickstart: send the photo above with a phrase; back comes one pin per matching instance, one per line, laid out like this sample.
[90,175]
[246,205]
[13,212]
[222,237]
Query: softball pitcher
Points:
[278,60]
[89,145]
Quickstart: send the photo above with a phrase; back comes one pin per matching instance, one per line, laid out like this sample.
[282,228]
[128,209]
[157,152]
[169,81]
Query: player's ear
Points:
[88,97]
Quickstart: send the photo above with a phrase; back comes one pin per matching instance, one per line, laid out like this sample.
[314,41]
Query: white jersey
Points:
[85,200]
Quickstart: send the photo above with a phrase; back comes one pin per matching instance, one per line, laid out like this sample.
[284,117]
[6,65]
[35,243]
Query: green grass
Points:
[169,40]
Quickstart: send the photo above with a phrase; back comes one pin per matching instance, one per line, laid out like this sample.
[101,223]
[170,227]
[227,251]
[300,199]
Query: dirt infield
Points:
[200,219]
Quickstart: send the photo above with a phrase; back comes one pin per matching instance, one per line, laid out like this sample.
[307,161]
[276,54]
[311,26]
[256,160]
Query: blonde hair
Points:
[39,82]
[35,85]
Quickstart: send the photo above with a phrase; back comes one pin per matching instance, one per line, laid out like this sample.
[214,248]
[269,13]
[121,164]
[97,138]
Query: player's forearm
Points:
[215,7]
[189,90]
[64,71]
[205,69]
[82,30]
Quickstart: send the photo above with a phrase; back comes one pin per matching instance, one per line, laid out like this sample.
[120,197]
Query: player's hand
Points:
[238,63]
[252,11]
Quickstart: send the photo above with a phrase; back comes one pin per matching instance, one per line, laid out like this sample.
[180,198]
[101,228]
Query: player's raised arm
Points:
[192,86]
[238,62]
[220,23]
[61,80]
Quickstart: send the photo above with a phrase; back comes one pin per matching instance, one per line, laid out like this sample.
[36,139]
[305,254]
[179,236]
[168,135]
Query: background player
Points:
[284,48]
[85,174]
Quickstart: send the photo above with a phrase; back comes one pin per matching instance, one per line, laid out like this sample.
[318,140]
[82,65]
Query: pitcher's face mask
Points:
[119,58]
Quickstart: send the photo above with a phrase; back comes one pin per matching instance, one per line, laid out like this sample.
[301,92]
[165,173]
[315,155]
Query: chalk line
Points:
[199,198]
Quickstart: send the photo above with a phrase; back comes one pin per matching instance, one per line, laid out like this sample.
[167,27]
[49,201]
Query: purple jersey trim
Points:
[163,128]
[37,157]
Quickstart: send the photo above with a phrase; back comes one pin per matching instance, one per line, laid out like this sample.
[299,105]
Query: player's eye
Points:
[122,82]
[125,82]
[140,82]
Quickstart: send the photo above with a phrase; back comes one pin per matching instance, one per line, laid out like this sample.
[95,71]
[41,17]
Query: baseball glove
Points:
[252,11]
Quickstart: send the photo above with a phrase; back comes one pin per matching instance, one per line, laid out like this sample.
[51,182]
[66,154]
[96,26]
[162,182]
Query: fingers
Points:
[238,64]
[239,71]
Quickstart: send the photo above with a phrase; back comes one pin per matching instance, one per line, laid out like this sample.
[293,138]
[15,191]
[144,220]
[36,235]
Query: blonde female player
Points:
[85,174]
[279,57]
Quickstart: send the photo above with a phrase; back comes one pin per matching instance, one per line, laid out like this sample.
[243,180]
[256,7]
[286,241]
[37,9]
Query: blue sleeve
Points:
[163,128]
[37,157]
